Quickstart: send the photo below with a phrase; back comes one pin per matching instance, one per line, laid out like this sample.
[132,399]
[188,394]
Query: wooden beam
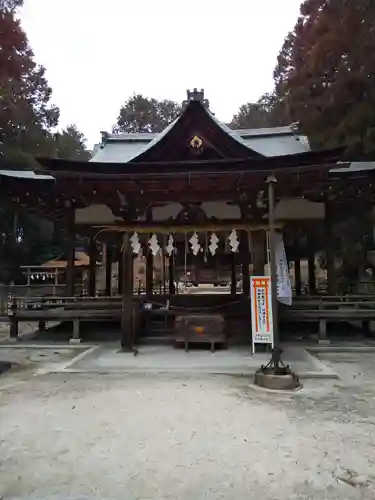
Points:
[162,228]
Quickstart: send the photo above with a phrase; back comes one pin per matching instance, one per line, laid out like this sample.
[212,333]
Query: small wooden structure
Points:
[53,272]
[200,329]
[197,178]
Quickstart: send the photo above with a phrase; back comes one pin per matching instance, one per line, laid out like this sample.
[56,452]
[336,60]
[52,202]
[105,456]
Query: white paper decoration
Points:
[170,245]
[135,243]
[194,243]
[154,245]
[233,241]
[213,246]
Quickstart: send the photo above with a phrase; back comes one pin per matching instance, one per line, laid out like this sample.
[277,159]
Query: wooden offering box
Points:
[200,328]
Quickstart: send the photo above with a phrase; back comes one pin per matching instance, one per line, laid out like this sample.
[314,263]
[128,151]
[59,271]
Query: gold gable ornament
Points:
[196,144]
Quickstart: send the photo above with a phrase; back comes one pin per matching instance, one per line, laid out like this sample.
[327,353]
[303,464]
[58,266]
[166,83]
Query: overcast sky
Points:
[98,53]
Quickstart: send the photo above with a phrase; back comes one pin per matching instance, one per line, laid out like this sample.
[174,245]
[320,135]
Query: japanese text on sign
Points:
[261,309]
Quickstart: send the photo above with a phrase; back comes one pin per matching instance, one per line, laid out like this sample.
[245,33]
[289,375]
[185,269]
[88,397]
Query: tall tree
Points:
[326,80]
[143,114]
[71,144]
[26,112]
[266,112]
[10,5]
[27,121]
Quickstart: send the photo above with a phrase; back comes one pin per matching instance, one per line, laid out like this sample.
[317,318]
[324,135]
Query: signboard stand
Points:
[261,311]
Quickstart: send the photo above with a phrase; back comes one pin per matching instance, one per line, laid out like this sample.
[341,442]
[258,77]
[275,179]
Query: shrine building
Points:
[190,208]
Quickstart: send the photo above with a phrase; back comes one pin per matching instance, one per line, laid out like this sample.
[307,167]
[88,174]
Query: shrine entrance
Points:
[196,251]
[181,217]
[204,262]
[178,260]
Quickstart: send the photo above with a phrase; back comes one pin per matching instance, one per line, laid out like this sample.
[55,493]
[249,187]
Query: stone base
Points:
[75,341]
[286,382]
[5,366]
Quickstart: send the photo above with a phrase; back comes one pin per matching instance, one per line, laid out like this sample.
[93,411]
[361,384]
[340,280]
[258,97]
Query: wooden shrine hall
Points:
[199,198]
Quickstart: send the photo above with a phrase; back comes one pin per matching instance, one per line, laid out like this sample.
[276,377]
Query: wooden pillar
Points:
[312,277]
[70,250]
[258,252]
[195,271]
[297,277]
[127,336]
[171,274]
[245,258]
[149,273]
[233,277]
[330,250]
[218,257]
[108,270]
[14,326]
[164,276]
[119,270]
[92,267]
[149,260]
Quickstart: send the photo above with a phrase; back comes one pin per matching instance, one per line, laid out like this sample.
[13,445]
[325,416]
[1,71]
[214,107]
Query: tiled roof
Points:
[25,174]
[269,142]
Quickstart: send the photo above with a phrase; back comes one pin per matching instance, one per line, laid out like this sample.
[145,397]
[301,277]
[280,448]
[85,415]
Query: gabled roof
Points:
[174,142]
[196,119]
[196,141]
[269,142]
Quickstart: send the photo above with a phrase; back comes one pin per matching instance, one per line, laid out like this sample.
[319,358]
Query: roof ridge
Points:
[284,129]
[131,135]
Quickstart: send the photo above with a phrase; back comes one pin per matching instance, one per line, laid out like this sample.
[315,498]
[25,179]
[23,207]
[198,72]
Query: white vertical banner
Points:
[284,287]
[261,310]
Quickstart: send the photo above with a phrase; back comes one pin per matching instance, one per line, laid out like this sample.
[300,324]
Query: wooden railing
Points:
[74,309]
[311,309]
[331,309]
[30,291]
[44,303]
[38,292]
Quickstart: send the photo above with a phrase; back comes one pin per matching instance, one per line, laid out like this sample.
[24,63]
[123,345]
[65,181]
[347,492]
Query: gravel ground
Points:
[189,437]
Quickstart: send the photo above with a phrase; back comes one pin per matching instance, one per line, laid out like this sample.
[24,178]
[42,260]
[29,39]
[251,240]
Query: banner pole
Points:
[271,181]
[268,253]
